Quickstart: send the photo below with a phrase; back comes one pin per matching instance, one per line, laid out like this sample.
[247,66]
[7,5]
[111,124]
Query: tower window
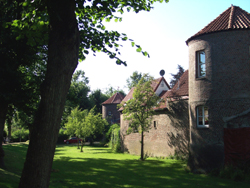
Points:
[201,64]
[202,117]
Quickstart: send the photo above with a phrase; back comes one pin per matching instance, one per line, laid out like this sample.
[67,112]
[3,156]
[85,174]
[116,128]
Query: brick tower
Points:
[219,83]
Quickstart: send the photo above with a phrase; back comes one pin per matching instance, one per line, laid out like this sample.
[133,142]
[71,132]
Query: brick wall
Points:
[225,90]
[169,137]
[115,115]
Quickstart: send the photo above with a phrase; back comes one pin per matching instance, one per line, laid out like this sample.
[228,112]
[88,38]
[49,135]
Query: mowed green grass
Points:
[98,167]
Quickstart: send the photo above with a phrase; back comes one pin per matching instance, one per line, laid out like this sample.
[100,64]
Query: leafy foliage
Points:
[133,80]
[20,135]
[84,124]
[58,23]
[113,136]
[77,95]
[176,76]
[97,98]
[110,91]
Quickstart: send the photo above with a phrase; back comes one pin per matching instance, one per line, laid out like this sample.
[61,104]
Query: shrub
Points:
[239,172]
[20,135]
[113,135]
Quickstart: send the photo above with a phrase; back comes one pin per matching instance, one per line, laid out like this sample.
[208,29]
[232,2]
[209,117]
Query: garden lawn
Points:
[98,167]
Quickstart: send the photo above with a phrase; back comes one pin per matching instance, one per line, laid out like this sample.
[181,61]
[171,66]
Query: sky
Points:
[162,32]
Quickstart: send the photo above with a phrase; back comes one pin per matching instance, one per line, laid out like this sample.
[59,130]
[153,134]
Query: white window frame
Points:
[200,63]
[203,116]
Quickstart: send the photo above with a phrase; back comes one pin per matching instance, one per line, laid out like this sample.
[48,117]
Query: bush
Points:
[113,135]
[20,135]
[239,172]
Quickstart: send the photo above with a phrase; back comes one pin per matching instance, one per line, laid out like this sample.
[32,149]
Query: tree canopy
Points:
[69,30]
[110,91]
[84,124]
[133,80]
[176,76]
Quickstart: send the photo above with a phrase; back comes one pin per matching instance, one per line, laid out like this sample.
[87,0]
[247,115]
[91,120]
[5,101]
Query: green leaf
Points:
[139,49]
[25,4]
[125,38]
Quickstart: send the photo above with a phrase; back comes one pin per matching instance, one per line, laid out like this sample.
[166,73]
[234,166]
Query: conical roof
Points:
[232,18]
[115,99]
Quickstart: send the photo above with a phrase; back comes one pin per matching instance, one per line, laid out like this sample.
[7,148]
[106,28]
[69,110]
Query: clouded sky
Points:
[161,32]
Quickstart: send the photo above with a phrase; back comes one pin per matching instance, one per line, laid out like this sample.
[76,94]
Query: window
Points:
[202,117]
[109,113]
[201,64]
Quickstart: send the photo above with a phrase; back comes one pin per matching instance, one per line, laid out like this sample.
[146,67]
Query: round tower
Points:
[219,83]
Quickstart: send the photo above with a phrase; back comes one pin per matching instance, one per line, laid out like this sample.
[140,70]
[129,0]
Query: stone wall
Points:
[169,136]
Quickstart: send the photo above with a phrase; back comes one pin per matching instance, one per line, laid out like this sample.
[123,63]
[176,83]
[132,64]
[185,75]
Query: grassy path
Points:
[97,167]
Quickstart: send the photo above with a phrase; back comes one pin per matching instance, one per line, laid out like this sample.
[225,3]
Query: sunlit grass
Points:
[98,167]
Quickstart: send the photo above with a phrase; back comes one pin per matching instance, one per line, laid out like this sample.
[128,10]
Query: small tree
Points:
[85,124]
[139,110]
[74,121]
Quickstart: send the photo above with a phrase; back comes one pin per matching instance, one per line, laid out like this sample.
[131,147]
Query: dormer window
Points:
[201,64]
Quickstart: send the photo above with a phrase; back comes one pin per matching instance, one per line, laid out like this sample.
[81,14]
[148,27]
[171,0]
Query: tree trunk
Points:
[62,61]
[142,146]
[3,113]
[83,143]
[9,129]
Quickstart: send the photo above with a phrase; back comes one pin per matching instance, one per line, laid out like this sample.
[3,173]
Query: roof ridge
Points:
[231,17]
[114,96]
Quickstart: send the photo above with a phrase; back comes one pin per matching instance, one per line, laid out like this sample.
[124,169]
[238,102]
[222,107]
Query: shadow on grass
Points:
[101,172]
[14,159]
[108,170]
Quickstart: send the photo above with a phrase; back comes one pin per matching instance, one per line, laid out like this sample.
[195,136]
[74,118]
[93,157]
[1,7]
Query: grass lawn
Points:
[98,167]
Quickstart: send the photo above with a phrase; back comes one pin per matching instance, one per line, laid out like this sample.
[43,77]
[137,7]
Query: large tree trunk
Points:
[62,61]
[3,112]
[9,131]
[142,146]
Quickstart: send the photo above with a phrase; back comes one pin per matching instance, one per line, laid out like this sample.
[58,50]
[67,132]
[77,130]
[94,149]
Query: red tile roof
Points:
[180,89]
[156,83]
[232,18]
[115,99]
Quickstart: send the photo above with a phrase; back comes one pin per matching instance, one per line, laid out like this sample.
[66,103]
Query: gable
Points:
[162,86]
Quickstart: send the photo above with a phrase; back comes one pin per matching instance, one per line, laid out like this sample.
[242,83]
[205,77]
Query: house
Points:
[216,86]
[170,126]
[109,108]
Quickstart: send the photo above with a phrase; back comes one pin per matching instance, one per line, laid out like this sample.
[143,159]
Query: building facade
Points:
[218,82]
[109,108]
